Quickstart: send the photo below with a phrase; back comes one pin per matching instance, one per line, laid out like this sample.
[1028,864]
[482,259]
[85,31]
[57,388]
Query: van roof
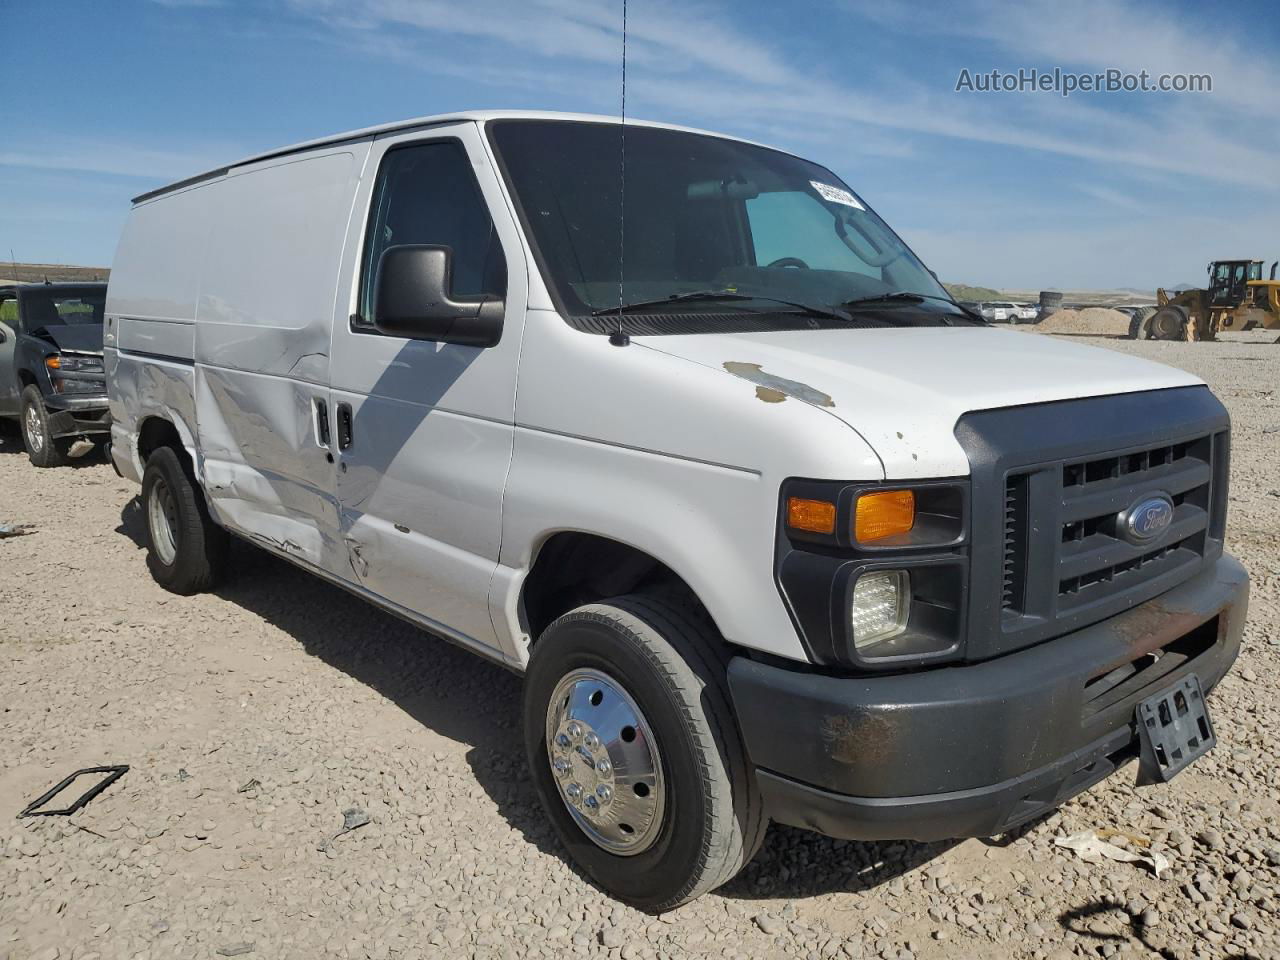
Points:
[477,116]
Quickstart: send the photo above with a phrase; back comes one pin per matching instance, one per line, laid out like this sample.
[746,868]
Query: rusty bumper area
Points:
[974,749]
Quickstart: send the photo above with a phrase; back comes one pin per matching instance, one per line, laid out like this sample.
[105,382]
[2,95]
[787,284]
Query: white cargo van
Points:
[773,528]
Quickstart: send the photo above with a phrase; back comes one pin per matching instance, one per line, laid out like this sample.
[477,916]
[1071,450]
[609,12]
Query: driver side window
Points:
[426,193]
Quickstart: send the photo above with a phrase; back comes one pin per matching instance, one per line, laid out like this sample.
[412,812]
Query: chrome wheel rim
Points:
[35,433]
[162,518]
[605,762]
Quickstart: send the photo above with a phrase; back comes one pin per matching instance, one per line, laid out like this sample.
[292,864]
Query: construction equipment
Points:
[1237,299]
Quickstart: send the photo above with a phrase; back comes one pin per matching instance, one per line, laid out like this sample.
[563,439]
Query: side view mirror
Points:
[412,297]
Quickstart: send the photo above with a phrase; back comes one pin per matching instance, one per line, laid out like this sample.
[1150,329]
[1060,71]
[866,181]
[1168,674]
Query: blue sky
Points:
[1011,189]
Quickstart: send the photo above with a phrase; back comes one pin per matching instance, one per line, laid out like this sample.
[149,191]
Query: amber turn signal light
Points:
[812,516]
[53,363]
[883,514]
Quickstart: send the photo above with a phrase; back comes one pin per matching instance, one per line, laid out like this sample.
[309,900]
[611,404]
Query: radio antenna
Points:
[619,338]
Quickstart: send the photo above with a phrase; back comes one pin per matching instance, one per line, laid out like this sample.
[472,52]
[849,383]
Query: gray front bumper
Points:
[974,749]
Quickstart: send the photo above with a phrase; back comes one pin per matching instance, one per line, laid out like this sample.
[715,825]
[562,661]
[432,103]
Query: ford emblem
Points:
[1147,519]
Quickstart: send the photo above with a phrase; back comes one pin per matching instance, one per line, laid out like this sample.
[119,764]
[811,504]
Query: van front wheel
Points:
[635,751]
[186,550]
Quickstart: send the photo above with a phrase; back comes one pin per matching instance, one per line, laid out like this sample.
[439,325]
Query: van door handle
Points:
[322,422]
[344,426]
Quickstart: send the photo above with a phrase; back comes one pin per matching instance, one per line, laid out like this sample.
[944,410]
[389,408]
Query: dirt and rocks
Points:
[259,719]
[1086,321]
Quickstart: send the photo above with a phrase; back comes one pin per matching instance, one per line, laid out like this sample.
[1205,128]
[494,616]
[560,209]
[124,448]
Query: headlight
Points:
[875,574]
[67,363]
[879,608]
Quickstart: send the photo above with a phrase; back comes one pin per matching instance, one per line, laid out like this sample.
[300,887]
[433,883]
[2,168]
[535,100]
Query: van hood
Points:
[77,337]
[903,389]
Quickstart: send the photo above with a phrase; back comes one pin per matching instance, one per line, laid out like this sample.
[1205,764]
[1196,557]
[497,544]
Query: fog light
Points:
[879,609]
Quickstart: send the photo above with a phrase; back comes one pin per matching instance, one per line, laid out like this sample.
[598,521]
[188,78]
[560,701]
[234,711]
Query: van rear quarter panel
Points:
[149,333]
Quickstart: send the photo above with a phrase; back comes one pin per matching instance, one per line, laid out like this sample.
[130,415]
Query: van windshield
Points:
[715,230]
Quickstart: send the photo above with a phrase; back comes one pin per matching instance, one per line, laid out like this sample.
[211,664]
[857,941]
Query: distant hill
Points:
[53,272]
[962,291]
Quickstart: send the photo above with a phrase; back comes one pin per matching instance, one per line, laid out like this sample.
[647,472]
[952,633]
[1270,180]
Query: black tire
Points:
[1168,323]
[199,549]
[671,662]
[1139,326]
[42,449]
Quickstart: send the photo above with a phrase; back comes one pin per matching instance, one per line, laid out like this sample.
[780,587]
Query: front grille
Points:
[1092,559]
[1095,560]
[1014,578]
[1049,485]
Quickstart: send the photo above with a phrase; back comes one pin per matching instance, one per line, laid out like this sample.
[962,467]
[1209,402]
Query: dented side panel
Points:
[264,469]
[271,268]
[141,388]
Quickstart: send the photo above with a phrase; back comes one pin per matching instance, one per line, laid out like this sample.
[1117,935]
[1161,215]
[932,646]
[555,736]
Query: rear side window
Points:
[427,194]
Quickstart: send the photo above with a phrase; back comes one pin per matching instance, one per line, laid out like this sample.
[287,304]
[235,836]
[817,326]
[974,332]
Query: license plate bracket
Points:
[1174,729]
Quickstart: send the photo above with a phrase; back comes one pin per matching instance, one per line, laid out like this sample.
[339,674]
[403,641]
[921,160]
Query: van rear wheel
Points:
[636,754]
[186,550]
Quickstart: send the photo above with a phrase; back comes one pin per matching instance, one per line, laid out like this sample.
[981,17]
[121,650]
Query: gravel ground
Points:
[254,717]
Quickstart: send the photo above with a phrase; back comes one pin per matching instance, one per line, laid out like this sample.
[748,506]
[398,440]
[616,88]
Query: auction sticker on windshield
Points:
[836,195]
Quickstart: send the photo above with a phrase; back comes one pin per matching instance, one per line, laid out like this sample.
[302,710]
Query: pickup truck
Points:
[51,377]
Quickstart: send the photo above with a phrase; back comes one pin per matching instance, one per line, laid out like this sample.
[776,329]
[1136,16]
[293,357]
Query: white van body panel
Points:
[666,456]
[276,234]
[904,389]
[149,326]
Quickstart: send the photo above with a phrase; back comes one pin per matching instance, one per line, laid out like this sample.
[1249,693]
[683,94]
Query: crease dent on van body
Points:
[775,389]
[356,560]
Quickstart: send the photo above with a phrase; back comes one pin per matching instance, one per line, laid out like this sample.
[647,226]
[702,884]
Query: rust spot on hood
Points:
[772,389]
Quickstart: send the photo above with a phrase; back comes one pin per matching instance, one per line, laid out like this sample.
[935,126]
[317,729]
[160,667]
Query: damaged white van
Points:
[772,527]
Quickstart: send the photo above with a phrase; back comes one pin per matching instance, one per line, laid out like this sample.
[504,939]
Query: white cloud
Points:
[692,59]
[1109,196]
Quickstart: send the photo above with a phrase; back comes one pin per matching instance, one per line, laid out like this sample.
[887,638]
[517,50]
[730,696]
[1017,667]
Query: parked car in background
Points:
[1002,311]
[51,377]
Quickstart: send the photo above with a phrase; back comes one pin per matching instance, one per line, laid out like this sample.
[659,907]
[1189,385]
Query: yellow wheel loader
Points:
[1237,299]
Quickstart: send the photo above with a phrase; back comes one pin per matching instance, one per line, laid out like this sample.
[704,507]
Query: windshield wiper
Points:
[901,296]
[690,297]
[694,296]
[906,296]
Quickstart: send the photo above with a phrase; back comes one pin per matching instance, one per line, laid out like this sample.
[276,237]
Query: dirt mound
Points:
[1093,320]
